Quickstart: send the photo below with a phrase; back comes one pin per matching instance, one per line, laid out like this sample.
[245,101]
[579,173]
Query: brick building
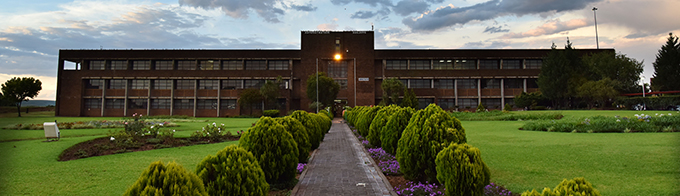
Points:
[207,83]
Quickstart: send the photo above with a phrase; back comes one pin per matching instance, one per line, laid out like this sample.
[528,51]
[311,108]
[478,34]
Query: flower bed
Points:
[660,122]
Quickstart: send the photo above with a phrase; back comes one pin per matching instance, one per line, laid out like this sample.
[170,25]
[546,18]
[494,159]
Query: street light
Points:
[596,38]
[644,106]
[317,85]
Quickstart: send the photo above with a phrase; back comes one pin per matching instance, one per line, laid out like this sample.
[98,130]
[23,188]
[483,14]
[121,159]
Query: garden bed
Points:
[660,122]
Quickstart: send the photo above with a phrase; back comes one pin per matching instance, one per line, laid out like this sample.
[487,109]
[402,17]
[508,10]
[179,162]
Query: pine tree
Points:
[410,99]
[667,66]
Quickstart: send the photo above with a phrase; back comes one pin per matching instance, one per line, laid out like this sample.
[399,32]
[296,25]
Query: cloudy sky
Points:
[33,31]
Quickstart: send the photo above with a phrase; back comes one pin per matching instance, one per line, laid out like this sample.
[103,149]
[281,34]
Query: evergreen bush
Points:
[274,148]
[352,115]
[313,129]
[324,123]
[271,113]
[326,114]
[481,108]
[391,132]
[507,107]
[378,124]
[574,187]
[233,171]
[461,169]
[172,179]
[300,135]
[429,131]
[365,118]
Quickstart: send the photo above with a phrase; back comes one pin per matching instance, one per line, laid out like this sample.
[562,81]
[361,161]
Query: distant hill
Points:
[38,103]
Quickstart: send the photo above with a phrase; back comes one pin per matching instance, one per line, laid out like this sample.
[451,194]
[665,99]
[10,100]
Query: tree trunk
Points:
[19,109]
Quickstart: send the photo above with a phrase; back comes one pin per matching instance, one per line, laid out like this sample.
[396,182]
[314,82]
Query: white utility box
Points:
[51,130]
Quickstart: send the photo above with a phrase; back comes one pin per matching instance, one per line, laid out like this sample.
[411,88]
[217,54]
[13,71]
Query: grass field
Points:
[616,163]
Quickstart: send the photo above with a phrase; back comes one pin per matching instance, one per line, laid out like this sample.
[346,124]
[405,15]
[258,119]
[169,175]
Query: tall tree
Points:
[623,70]
[18,90]
[328,89]
[410,99]
[248,97]
[270,91]
[667,66]
[600,91]
[392,88]
[561,74]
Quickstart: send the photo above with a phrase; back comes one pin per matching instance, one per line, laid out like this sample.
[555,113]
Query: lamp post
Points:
[644,106]
[596,38]
[317,85]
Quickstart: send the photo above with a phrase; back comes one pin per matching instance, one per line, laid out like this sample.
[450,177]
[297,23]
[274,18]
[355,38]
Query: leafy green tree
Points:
[667,66]
[17,90]
[598,91]
[392,88]
[617,67]
[529,100]
[328,89]
[270,91]
[410,99]
[561,74]
[248,97]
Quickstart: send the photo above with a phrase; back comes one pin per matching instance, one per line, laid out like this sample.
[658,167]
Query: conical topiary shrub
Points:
[300,135]
[365,118]
[274,148]
[233,171]
[391,132]
[379,121]
[313,129]
[576,187]
[461,169]
[172,179]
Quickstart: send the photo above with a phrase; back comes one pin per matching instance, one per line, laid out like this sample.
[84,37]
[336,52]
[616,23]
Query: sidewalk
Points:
[341,166]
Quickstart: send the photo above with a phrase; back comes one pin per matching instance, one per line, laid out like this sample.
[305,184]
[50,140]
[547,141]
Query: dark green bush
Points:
[378,124]
[313,129]
[391,132]
[507,107]
[352,115]
[274,148]
[271,113]
[326,114]
[300,135]
[233,171]
[481,108]
[172,179]
[365,118]
[429,131]
[461,169]
[324,123]
[576,187]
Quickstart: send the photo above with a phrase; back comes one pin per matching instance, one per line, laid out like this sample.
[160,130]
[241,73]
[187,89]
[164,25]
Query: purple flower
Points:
[496,190]
[417,188]
[301,167]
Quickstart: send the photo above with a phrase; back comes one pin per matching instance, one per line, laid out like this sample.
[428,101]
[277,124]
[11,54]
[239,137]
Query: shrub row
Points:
[669,122]
[506,116]
[576,187]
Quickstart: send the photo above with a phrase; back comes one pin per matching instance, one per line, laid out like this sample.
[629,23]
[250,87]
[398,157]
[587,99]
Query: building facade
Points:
[208,83]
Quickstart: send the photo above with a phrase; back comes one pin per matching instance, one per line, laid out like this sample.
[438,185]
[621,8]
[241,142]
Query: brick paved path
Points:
[341,166]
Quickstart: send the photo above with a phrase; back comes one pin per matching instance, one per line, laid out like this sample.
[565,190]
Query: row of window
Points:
[468,83]
[463,64]
[96,103]
[178,84]
[189,65]
[449,104]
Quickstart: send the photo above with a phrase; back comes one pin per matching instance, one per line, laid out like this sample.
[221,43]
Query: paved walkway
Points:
[341,166]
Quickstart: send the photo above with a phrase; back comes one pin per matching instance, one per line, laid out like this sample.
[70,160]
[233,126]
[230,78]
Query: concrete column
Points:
[524,84]
[195,96]
[106,84]
[455,91]
[172,96]
[125,102]
[479,90]
[502,93]
[219,97]
[148,99]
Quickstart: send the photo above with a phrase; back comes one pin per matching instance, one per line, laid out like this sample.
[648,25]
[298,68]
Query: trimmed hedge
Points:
[313,129]
[365,118]
[461,169]
[233,171]
[391,132]
[300,135]
[172,179]
[378,123]
[274,148]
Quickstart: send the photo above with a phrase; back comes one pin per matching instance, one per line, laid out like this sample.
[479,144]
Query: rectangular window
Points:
[208,84]
[232,65]
[141,65]
[184,84]
[513,83]
[443,84]
[337,69]
[160,104]
[533,63]
[420,64]
[465,64]
[396,64]
[443,64]
[467,84]
[467,103]
[93,103]
[228,104]
[94,84]
[491,103]
[186,65]
[512,64]
[253,83]
[232,84]
[183,104]
[162,84]
[256,65]
[140,84]
[278,65]
[209,65]
[97,65]
[163,65]
[424,102]
[114,103]
[489,64]
[510,101]
[118,65]
[116,84]
[421,84]
[137,103]
[491,83]
[206,104]
[532,83]
[342,83]
[447,104]
[405,82]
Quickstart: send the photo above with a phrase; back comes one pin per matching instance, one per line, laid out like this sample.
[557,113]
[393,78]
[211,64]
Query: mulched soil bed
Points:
[397,181]
[104,146]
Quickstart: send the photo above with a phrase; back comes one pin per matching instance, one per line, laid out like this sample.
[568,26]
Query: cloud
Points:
[308,7]
[373,3]
[551,27]
[448,16]
[406,7]
[643,18]
[363,14]
[494,29]
[267,9]
[328,26]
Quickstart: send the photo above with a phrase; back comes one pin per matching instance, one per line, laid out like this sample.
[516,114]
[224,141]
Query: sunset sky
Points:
[33,31]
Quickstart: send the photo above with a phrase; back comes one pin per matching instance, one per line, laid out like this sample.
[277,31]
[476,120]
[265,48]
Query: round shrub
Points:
[172,179]
[323,122]
[300,135]
[352,115]
[313,129]
[274,148]
[577,186]
[429,131]
[461,169]
[378,123]
[391,132]
[365,118]
[326,114]
[233,171]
